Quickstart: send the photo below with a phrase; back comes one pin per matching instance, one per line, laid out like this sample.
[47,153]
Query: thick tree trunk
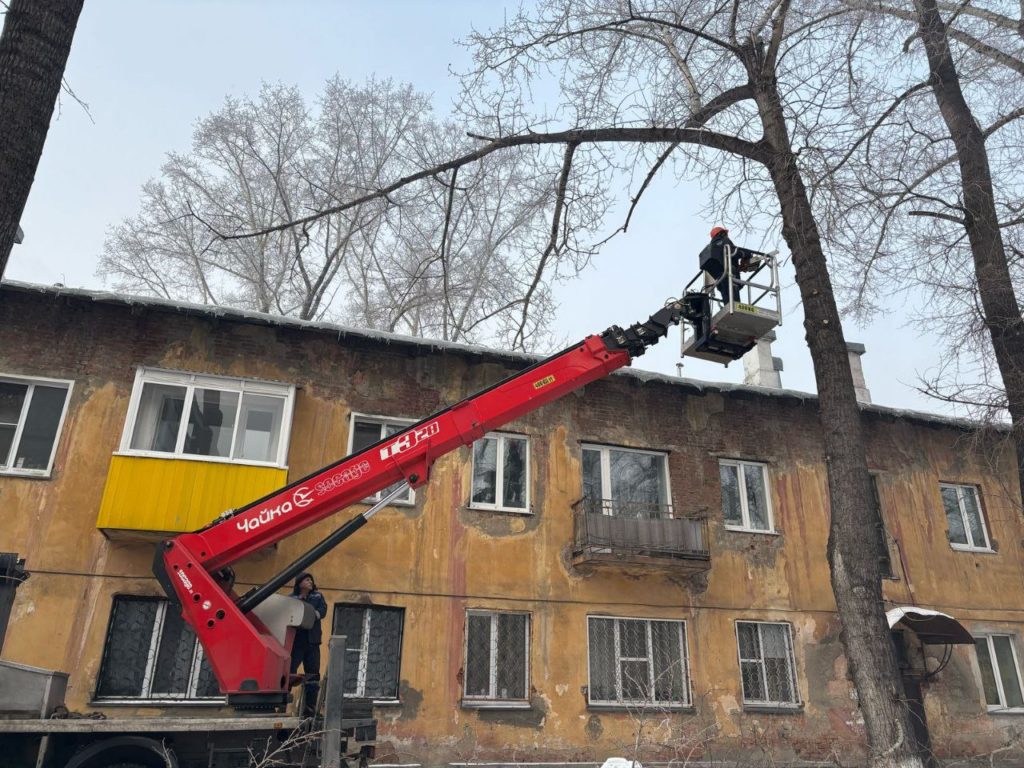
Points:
[995,289]
[855,565]
[34,48]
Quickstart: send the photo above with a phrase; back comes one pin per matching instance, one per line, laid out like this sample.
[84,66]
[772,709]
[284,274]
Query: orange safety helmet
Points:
[716,231]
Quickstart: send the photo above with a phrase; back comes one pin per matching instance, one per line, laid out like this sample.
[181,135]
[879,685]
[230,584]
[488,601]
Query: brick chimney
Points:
[759,367]
[855,350]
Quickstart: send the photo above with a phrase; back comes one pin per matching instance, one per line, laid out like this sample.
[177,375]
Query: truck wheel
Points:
[124,752]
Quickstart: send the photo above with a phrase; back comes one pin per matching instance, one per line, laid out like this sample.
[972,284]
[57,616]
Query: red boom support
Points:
[248,661]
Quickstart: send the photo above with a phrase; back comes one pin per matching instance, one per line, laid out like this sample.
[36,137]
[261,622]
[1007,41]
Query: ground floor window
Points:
[373,649]
[497,656]
[766,663]
[638,662]
[151,653]
[1000,672]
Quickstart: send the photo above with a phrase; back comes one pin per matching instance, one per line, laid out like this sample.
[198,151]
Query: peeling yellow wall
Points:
[438,558]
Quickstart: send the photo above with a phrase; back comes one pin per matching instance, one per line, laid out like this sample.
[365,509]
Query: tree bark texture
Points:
[981,222]
[34,48]
[854,562]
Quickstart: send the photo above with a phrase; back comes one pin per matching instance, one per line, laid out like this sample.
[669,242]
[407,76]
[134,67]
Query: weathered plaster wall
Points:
[438,558]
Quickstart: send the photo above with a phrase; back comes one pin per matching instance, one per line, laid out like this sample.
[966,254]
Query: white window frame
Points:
[607,502]
[492,698]
[499,480]
[364,649]
[994,661]
[147,694]
[191,381]
[31,382]
[382,421]
[741,476]
[791,664]
[622,701]
[971,545]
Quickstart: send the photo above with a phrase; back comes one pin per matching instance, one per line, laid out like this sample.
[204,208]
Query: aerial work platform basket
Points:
[723,331]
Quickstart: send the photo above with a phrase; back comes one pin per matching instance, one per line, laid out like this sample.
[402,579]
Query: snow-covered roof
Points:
[382,337]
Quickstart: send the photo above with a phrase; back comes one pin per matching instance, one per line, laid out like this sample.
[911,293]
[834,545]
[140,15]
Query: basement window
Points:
[501,474]
[367,430]
[373,649]
[151,654]
[1000,673]
[497,659]
[625,482]
[966,523]
[637,663]
[746,502]
[767,670]
[214,418]
[32,414]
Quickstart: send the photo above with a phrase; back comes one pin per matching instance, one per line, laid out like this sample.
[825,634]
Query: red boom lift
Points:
[247,638]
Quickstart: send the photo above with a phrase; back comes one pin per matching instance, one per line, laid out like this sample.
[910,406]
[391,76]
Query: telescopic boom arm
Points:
[250,663]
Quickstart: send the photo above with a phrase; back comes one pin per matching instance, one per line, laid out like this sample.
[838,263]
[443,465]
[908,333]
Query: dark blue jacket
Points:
[315,599]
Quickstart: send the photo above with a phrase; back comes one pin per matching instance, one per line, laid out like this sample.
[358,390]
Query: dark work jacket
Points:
[712,258]
[319,604]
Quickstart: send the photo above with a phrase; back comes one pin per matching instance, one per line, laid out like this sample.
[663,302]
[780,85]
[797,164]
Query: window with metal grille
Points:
[367,430]
[31,415]
[152,654]
[497,657]
[373,649]
[638,662]
[501,473]
[966,523]
[215,418]
[625,482]
[767,669]
[1000,672]
[746,503]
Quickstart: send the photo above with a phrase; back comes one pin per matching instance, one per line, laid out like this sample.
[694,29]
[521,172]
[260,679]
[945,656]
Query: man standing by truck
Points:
[306,648]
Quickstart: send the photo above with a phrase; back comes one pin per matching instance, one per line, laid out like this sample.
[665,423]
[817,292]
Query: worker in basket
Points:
[306,645]
[712,261]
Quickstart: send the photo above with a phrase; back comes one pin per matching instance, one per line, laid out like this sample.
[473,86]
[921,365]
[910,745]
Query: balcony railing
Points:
[610,530]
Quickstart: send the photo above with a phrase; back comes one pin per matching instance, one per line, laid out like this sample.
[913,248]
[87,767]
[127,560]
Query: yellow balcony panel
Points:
[145,494]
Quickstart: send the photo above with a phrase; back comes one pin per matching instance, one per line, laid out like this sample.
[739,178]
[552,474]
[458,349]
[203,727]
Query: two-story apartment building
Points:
[637,569]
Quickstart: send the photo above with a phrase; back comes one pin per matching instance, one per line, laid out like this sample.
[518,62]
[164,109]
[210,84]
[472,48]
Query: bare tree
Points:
[454,258]
[734,89]
[34,48]
[927,200]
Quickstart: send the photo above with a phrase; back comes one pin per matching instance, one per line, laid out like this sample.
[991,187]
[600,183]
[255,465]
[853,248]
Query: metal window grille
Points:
[151,653]
[1000,672]
[497,656]
[882,535]
[767,670]
[746,503]
[368,430]
[966,524]
[500,472]
[625,482]
[373,649]
[641,662]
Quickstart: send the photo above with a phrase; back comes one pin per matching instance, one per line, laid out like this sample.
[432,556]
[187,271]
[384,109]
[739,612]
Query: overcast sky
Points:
[149,69]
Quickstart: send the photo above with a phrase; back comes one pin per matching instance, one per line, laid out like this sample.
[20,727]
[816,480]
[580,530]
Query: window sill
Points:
[372,702]
[774,709]
[204,459]
[491,704]
[624,707]
[500,510]
[738,529]
[1006,710]
[129,702]
[975,550]
[27,474]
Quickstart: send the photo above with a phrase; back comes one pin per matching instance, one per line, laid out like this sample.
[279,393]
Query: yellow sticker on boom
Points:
[540,383]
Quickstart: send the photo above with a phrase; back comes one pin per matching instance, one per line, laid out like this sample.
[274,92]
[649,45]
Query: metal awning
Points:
[932,627]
